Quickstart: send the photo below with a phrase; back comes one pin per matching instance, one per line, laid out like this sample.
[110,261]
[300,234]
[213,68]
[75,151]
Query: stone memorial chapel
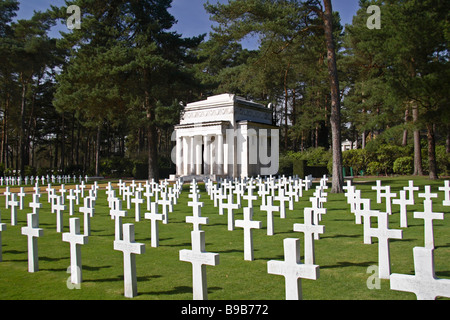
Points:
[226,136]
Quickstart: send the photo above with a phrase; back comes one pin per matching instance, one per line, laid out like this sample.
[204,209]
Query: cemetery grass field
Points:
[343,258]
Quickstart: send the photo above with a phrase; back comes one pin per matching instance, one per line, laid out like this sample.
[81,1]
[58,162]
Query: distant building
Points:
[226,136]
[348,145]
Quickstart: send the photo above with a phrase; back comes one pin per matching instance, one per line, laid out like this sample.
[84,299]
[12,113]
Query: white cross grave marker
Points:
[270,209]
[219,196]
[250,197]
[308,182]
[117,213]
[199,259]
[282,199]
[33,232]
[317,212]
[88,211]
[424,283]
[148,194]
[21,195]
[379,188]
[71,197]
[137,200]
[383,233]
[63,191]
[127,193]
[230,206]
[248,224]
[309,230]
[130,249]
[410,188]
[59,207]
[403,202]
[7,193]
[428,216]
[388,195]
[154,217]
[367,213]
[82,186]
[76,239]
[292,269]
[164,202]
[35,205]
[196,219]
[13,203]
[77,192]
[263,191]
[446,190]
[290,193]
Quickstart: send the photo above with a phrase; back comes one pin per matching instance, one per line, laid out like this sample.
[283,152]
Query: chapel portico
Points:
[221,137]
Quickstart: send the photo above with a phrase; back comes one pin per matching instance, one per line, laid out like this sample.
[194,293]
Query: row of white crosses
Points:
[124,233]
[33,232]
[124,239]
[283,190]
[198,256]
[13,181]
[291,268]
[424,284]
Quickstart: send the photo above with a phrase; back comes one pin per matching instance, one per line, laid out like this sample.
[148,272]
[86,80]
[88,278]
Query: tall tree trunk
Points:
[21,153]
[286,99]
[152,142]
[405,132]
[447,140]
[4,151]
[78,143]
[55,163]
[338,177]
[97,152]
[432,151]
[63,144]
[72,140]
[152,138]
[418,169]
[363,139]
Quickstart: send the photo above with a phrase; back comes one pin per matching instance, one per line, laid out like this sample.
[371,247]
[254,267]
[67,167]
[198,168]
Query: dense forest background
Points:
[103,99]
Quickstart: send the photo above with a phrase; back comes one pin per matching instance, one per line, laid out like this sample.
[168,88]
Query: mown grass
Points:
[340,253]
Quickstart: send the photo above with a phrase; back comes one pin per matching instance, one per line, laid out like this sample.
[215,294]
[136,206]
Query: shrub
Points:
[442,160]
[357,159]
[374,168]
[314,157]
[404,165]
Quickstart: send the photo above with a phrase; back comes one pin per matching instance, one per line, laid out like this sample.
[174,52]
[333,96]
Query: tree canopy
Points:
[103,99]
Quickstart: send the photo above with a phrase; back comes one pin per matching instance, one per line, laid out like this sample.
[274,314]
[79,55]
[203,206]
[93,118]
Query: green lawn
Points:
[340,253]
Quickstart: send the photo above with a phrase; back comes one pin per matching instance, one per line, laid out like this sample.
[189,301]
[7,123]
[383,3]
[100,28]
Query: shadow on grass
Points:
[14,252]
[120,278]
[341,236]
[95,268]
[345,264]
[52,259]
[178,290]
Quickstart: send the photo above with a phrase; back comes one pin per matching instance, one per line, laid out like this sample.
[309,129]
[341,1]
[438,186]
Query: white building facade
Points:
[226,136]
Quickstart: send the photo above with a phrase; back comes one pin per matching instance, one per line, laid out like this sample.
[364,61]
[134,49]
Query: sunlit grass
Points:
[340,253]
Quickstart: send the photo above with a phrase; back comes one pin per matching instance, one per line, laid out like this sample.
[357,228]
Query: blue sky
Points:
[191,15]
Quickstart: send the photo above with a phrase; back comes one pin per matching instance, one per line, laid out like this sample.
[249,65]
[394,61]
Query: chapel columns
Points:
[200,154]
